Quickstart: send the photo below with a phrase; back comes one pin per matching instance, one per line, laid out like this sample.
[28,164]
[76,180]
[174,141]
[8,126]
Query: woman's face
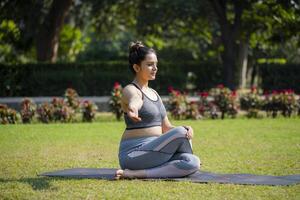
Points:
[148,67]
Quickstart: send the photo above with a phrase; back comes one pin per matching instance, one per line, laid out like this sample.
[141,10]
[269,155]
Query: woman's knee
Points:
[180,130]
[195,162]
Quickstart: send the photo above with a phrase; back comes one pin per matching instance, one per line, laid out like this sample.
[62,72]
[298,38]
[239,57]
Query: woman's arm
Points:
[166,124]
[132,102]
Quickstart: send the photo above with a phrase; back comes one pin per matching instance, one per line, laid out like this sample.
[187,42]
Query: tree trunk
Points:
[229,63]
[230,33]
[48,34]
[243,64]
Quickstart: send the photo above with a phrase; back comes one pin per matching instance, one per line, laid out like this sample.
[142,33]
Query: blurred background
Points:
[47,46]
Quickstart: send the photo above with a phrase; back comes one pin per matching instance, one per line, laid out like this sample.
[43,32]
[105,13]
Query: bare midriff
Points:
[142,132]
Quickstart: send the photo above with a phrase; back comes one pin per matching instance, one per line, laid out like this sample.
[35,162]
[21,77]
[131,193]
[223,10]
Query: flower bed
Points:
[218,102]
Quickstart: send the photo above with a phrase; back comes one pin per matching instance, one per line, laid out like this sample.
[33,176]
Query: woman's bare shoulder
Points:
[131,90]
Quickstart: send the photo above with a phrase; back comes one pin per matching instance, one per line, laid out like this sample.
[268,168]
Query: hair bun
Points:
[134,46]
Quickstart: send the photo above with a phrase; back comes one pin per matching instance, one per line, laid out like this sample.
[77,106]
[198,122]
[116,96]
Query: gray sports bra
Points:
[152,113]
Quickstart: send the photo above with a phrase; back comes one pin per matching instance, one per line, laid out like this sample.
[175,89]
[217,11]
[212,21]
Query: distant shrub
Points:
[7,115]
[177,104]
[61,111]
[281,102]
[226,100]
[45,112]
[115,100]
[28,108]
[207,108]
[71,98]
[89,110]
[251,102]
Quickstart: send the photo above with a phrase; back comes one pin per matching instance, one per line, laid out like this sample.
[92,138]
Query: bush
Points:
[7,115]
[28,109]
[88,111]
[251,102]
[115,100]
[207,108]
[71,98]
[284,102]
[62,111]
[45,112]
[180,107]
[226,100]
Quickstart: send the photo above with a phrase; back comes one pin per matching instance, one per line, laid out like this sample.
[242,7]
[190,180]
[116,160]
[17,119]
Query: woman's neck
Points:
[143,84]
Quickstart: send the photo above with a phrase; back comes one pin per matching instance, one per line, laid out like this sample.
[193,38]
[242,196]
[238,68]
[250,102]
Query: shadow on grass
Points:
[40,183]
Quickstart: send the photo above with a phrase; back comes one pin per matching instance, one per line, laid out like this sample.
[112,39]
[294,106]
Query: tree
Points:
[240,21]
[48,34]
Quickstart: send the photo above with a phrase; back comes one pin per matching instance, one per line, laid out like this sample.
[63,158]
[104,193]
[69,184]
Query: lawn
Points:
[266,146]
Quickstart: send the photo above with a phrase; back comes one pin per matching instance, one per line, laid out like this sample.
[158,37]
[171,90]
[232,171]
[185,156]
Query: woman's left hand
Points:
[190,132]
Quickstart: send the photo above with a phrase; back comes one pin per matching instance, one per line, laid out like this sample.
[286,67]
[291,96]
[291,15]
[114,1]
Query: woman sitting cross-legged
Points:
[150,146]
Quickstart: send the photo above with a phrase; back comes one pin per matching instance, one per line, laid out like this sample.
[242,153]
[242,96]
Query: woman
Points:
[150,146]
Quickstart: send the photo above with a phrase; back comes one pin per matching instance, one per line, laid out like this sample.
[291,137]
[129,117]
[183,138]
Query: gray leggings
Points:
[169,155]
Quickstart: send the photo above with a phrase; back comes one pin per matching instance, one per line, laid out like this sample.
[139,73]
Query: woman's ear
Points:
[136,68]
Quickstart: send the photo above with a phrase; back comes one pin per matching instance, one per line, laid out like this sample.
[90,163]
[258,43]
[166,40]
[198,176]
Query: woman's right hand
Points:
[133,114]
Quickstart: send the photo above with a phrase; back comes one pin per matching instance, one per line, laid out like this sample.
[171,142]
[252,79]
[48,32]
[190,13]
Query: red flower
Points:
[220,86]
[176,92]
[266,92]
[274,92]
[290,91]
[253,89]
[116,85]
[233,93]
[170,89]
[204,94]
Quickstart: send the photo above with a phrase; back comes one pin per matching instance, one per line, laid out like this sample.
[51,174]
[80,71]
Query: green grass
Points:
[267,146]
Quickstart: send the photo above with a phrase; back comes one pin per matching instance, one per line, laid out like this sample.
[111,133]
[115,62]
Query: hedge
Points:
[97,78]
[279,76]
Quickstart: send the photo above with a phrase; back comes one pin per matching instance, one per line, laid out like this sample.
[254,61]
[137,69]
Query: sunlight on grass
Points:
[267,146]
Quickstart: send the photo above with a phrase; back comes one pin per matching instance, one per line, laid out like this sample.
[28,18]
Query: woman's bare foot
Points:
[119,174]
[130,174]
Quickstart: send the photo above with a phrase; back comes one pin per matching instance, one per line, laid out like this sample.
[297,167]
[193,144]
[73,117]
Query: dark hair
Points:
[137,53]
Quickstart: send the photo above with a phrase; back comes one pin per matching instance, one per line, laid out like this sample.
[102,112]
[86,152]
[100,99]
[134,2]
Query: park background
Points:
[60,60]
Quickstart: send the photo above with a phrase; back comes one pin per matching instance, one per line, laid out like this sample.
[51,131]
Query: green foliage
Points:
[9,35]
[71,43]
